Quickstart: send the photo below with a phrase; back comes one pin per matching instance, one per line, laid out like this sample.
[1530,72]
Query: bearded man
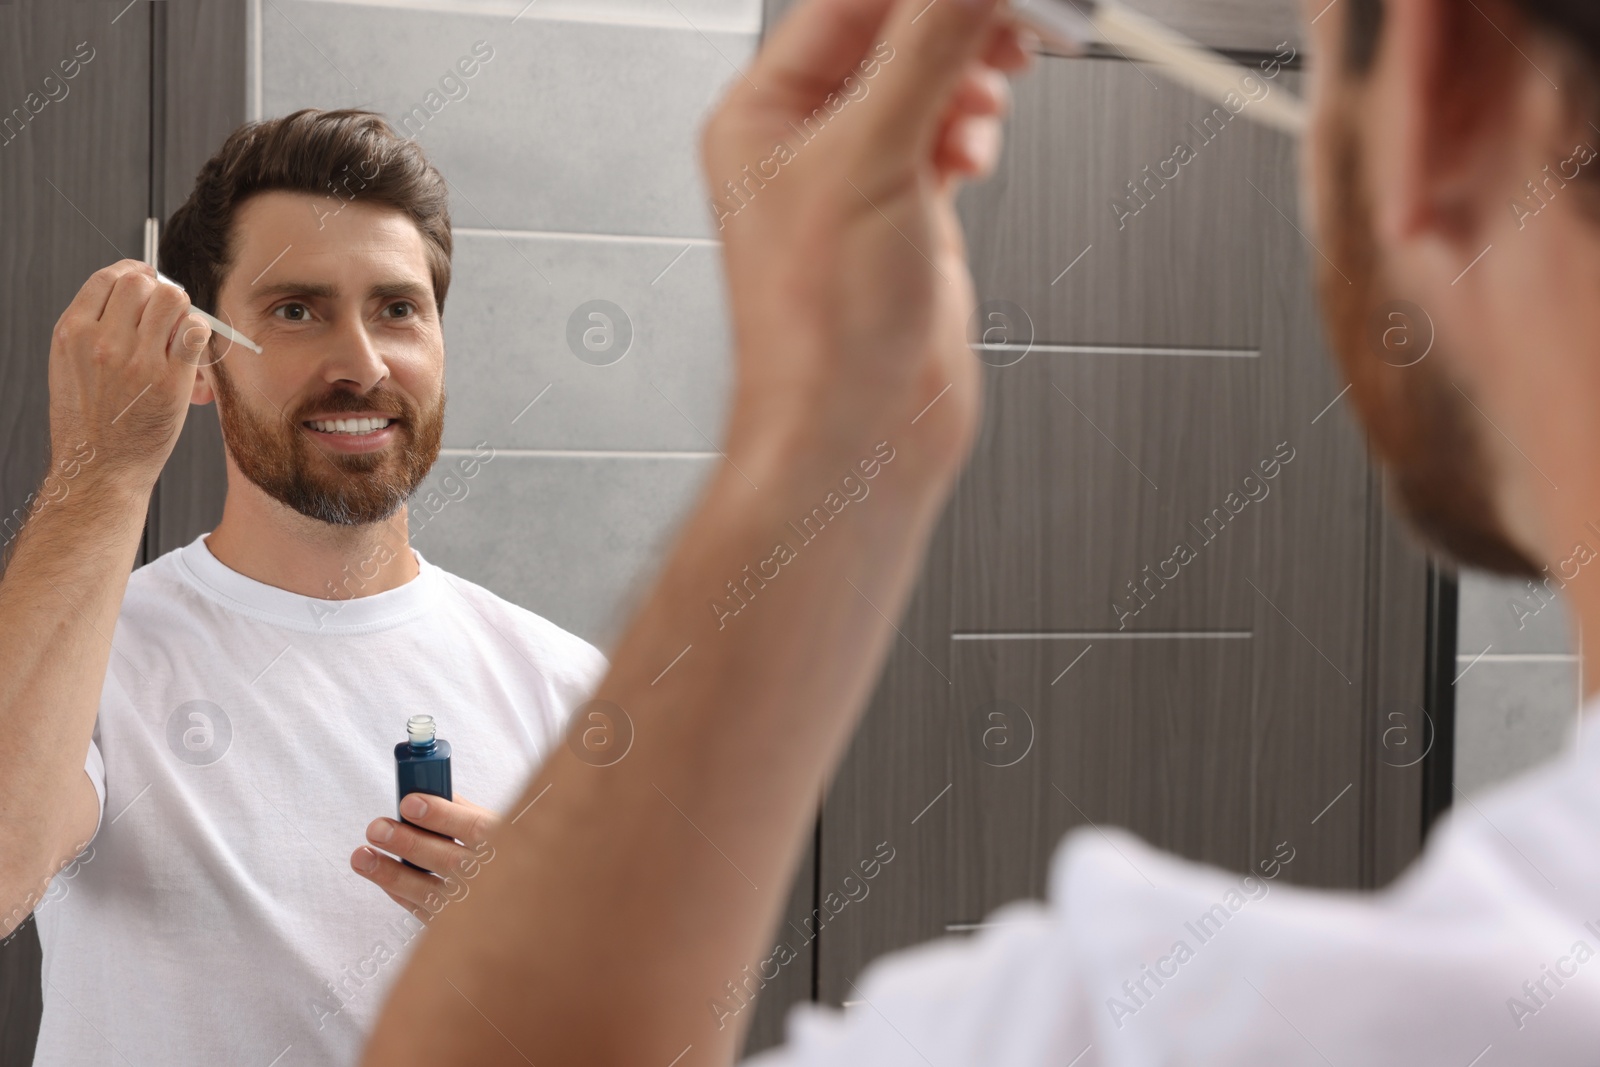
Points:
[210,740]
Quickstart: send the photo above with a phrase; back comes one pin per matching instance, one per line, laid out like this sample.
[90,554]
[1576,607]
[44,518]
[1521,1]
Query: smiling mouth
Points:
[348,427]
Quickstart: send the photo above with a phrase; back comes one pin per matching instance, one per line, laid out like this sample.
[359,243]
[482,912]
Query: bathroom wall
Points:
[570,187]
[1517,679]
[571,157]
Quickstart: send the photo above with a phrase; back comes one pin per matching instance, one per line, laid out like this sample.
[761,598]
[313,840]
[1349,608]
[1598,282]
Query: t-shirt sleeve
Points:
[593,668]
[585,669]
[95,767]
[1002,995]
[1141,957]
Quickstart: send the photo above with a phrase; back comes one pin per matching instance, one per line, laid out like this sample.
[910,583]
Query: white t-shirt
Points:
[245,740]
[1485,953]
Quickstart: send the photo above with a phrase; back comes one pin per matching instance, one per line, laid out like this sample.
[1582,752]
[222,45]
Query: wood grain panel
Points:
[888,792]
[1399,730]
[1309,716]
[795,979]
[1235,25]
[1088,475]
[1172,265]
[74,181]
[1147,735]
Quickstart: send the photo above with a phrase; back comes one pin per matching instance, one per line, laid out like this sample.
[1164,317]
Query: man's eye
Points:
[402,303]
[292,304]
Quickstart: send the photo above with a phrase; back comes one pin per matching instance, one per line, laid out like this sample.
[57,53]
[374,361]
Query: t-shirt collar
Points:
[344,614]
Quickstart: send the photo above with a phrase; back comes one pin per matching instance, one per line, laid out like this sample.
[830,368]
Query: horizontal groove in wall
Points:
[1108,635]
[1517,657]
[1121,350]
[581,453]
[564,235]
[961,928]
[1247,57]
[514,10]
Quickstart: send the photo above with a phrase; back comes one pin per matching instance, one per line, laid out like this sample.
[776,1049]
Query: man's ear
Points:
[203,391]
[1439,109]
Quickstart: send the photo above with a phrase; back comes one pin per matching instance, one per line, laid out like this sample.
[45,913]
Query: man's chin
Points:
[350,489]
[1459,523]
[344,508]
[1437,467]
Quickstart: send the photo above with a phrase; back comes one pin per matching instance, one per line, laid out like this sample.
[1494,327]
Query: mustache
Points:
[340,403]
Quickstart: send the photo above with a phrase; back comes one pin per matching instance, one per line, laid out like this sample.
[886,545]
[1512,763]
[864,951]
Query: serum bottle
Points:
[421,765]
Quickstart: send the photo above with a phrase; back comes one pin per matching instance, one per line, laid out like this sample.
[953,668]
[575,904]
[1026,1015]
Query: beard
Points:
[1426,433]
[283,460]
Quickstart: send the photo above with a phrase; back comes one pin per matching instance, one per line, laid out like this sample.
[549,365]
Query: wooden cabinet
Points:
[1166,594]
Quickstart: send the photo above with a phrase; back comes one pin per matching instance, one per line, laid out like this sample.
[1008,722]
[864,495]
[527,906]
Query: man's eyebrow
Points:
[323,290]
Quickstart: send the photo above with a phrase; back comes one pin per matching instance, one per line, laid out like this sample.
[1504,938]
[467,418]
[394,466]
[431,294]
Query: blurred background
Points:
[1152,350]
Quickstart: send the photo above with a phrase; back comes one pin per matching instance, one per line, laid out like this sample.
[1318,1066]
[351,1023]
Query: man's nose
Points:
[353,355]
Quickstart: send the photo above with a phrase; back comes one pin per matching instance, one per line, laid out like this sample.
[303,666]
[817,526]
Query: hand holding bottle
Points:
[447,839]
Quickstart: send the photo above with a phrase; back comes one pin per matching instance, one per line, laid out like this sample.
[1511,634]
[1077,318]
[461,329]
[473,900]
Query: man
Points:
[236,702]
[1445,161]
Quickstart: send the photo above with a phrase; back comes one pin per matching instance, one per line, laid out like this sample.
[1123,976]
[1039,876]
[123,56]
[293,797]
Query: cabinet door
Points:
[75,182]
[79,177]
[1147,605]
[1166,594]
[75,177]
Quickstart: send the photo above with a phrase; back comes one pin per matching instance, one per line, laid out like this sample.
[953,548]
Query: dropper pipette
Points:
[1075,25]
[216,324]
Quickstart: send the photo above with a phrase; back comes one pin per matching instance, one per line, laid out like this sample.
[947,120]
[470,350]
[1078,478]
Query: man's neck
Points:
[1535,379]
[263,540]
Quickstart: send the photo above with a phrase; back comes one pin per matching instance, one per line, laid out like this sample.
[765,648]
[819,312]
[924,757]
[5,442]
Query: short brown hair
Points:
[1577,21]
[310,151]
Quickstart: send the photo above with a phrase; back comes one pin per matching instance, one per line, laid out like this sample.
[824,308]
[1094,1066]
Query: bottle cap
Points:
[420,729]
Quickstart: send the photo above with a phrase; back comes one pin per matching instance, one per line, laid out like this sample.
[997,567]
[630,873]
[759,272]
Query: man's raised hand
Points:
[123,358]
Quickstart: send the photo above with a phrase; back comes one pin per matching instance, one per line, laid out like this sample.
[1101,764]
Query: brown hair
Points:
[310,151]
[1576,21]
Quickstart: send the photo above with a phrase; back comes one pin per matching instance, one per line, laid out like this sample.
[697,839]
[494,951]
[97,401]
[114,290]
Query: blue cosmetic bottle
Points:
[421,765]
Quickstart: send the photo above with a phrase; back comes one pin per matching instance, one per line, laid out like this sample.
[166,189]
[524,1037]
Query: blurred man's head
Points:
[324,238]
[1454,174]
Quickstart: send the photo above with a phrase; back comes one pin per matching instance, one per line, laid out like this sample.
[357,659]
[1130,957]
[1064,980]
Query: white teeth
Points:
[350,426]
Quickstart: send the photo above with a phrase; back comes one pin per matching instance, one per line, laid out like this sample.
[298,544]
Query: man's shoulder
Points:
[155,585]
[555,651]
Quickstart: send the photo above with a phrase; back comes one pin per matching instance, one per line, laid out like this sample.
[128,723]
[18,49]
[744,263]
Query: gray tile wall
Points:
[572,160]
[1517,686]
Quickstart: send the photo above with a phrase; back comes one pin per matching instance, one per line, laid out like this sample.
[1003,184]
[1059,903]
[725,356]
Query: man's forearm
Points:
[59,600]
[736,719]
